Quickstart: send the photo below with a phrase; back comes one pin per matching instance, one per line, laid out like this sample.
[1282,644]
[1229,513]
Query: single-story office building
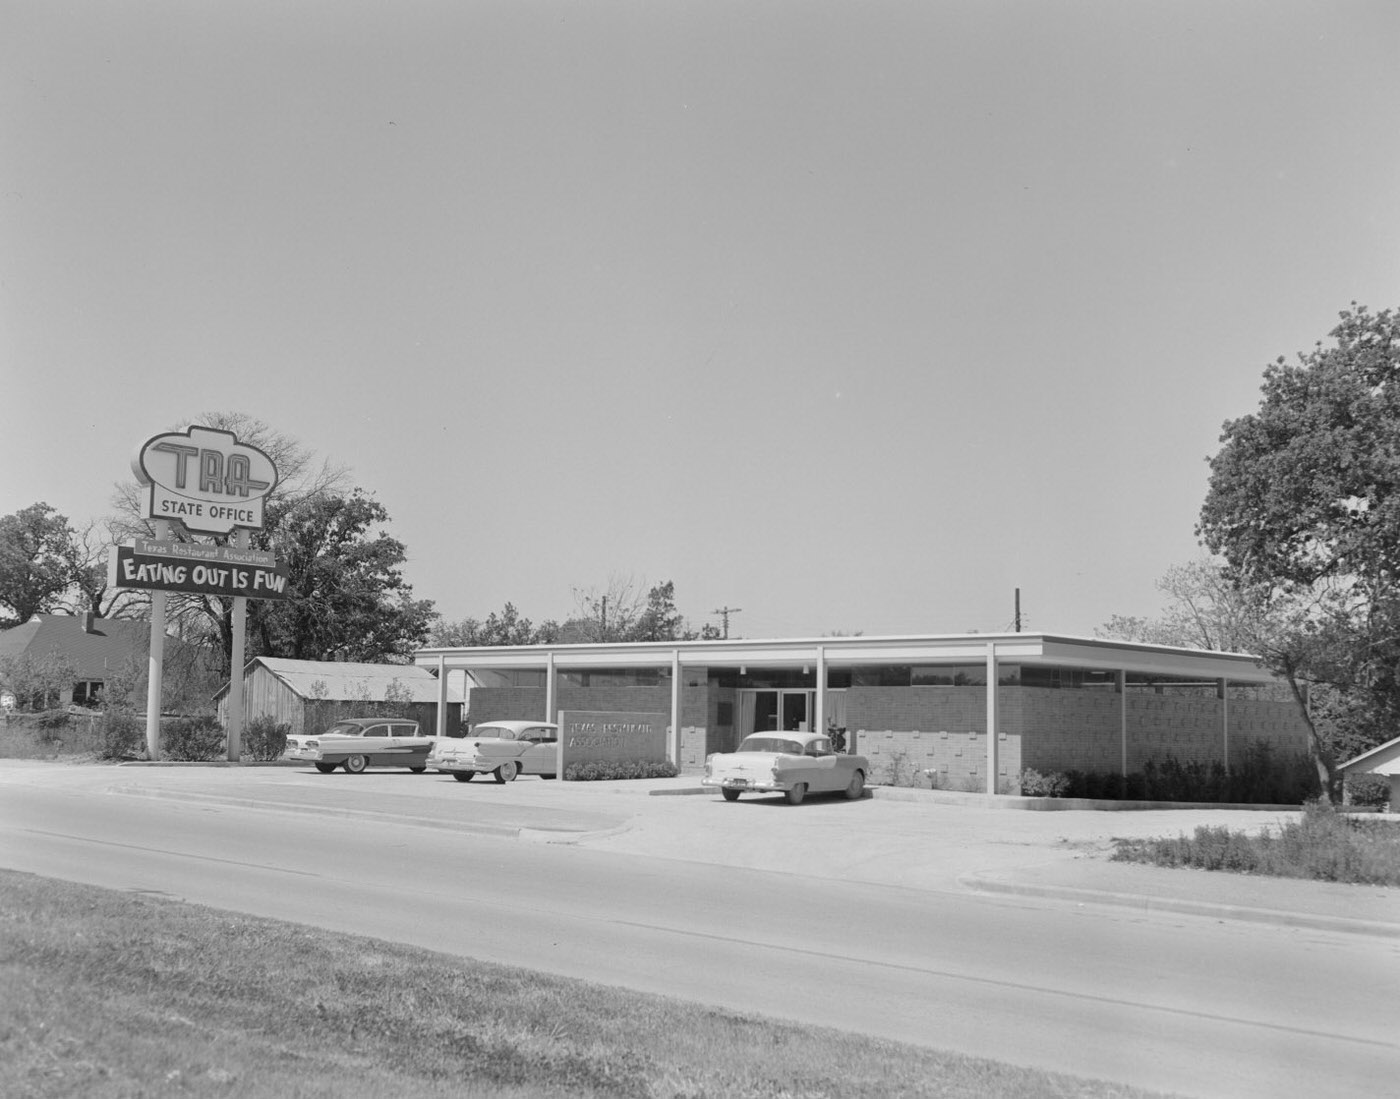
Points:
[974,708]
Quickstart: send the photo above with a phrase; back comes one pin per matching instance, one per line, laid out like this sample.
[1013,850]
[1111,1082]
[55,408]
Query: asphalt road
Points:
[861,915]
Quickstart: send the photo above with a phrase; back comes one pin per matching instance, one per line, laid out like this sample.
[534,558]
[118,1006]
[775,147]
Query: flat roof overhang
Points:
[1024,648]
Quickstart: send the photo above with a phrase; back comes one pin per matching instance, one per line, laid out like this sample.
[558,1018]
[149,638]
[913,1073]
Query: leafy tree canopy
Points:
[617,612]
[504,628]
[1307,489]
[38,562]
[1304,508]
[347,598]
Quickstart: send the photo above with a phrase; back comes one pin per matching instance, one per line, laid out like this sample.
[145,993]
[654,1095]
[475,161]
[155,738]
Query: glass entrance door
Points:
[796,710]
[764,711]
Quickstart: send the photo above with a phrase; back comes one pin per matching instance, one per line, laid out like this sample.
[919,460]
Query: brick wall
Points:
[942,730]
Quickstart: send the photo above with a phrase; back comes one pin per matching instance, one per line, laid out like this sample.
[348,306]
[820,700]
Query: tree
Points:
[347,598]
[505,628]
[1304,507]
[659,620]
[616,613]
[1204,609]
[90,591]
[37,562]
[621,613]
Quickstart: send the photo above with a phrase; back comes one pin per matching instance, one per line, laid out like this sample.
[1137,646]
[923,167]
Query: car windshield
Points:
[344,728]
[770,744]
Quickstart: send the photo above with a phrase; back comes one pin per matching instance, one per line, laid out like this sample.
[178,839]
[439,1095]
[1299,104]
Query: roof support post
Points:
[551,689]
[441,726]
[673,741]
[1222,690]
[1122,677]
[992,717]
[819,724]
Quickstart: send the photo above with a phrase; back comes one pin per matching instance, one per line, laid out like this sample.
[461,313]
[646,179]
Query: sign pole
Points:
[236,660]
[157,659]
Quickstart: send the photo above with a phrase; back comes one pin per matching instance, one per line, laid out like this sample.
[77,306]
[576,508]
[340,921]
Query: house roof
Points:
[1384,759]
[343,682]
[96,651]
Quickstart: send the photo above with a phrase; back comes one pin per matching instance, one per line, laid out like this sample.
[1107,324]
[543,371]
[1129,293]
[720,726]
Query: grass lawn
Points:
[116,994]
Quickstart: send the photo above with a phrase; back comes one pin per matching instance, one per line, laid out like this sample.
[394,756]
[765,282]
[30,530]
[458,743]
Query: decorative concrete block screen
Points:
[612,736]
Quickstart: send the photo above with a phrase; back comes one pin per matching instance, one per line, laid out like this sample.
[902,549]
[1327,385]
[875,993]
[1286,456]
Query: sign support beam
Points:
[157,660]
[236,662]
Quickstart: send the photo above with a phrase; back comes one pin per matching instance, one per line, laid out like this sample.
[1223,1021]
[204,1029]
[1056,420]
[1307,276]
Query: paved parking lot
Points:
[913,839]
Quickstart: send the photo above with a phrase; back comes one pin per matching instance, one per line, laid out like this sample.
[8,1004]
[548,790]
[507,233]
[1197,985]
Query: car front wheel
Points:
[506,772]
[729,795]
[797,793]
[856,787]
[464,776]
[356,764]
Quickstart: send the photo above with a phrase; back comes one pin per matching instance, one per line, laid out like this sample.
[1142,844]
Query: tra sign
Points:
[191,567]
[206,479]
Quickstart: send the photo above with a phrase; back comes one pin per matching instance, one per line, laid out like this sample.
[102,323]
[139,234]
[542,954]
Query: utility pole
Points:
[1018,610]
[724,613]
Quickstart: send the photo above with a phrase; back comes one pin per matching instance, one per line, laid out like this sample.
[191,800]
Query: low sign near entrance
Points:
[586,737]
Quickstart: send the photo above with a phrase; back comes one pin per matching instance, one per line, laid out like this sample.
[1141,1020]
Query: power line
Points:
[724,613]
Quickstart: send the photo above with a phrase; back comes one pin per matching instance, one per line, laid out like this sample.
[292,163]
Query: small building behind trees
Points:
[309,696]
[1382,761]
[57,660]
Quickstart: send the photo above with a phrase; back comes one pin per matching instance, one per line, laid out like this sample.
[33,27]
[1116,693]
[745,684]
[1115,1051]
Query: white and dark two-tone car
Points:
[501,749]
[356,743]
[789,763]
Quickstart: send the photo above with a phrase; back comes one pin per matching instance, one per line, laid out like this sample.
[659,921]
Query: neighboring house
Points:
[88,650]
[309,695]
[1384,759]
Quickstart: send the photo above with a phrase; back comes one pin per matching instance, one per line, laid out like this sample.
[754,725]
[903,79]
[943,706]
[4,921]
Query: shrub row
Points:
[596,770]
[198,738]
[1262,777]
[1322,845]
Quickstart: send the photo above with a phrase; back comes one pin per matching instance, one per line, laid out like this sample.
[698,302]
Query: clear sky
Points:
[856,316]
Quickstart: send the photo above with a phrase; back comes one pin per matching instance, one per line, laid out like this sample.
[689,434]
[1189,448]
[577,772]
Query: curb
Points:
[1184,907]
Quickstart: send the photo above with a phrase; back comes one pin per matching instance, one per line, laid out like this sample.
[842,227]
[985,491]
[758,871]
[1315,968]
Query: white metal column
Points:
[1223,689]
[673,742]
[991,718]
[441,726]
[1123,719]
[819,718]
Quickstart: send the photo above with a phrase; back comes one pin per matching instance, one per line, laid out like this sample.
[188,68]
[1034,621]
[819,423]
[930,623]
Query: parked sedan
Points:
[359,742]
[501,749]
[795,764]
